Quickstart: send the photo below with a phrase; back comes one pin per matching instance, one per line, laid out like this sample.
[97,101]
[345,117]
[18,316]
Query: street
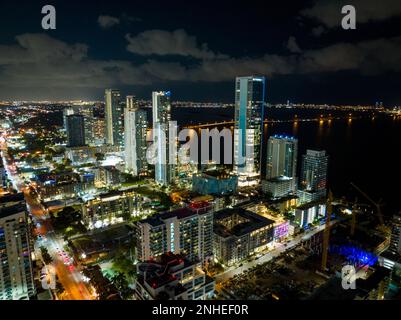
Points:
[69,276]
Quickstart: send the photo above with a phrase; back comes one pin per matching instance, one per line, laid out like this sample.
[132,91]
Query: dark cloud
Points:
[129,19]
[106,22]
[38,60]
[328,12]
[368,57]
[160,42]
[292,45]
[318,31]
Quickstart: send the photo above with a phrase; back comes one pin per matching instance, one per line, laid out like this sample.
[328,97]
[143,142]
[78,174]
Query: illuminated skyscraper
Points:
[67,112]
[114,118]
[281,157]
[164,169]
[16,276]
[313,181]
[75,130]
[249,114]
[89,120]
[281,166]
[135,124]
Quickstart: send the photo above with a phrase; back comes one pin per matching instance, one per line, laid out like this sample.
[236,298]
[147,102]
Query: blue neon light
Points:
[355,255]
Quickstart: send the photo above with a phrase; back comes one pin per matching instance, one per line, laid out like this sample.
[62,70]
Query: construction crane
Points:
[378,205]
[326,234]
[353,221]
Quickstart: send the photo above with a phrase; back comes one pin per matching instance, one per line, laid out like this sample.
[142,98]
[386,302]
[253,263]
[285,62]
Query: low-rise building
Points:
[172,277]
[279,187]
[216,203]
[309,212]
[81,155]
[305,196]
[286,204]
[58,185]
[214,182]
[107,176]
[239,233]
[110,208]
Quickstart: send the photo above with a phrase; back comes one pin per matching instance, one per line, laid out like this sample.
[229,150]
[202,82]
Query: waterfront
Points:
[358,148]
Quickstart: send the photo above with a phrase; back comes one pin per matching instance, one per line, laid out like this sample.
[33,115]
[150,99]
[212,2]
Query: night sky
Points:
[196,48]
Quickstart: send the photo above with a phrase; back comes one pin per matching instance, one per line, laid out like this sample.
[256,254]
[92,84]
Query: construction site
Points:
[351,238]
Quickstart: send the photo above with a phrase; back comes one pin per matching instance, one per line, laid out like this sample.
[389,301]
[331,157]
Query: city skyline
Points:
[276,184]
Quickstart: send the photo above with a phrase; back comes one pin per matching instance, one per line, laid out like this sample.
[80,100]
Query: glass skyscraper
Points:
[281,157]
[281,167]
[75,130]
[248,128]
[114,118]
[313,183]
[161,106]
[135,125]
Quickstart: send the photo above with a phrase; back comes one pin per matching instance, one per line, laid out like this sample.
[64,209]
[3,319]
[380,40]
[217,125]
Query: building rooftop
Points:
[181,213]
[59,178]
[252,222]
[217,174]
[311,204]
[10,210]
[280,179]
[158,272]
[12,198]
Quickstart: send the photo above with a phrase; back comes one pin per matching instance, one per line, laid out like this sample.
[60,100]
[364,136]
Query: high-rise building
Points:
[67,112]
[281,166]
[281,157]
[187,231]
[395,240]
[135,125]
[75,130]
[87,111]
[313,183]
[164,169]
[3,175]
[249,115]
[114,118]
[16,276]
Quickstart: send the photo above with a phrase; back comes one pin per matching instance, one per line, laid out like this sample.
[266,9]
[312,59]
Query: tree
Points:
[59,288]
[122,264]
[67,162]
[121,283]
[45,255]
[99,156]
